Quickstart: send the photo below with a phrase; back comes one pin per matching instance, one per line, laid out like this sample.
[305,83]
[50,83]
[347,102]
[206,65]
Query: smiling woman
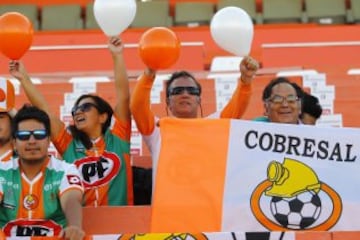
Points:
[98,142]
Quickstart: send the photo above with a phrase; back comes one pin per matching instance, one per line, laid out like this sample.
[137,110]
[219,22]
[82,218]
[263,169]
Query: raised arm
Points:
[140,105]
[240,99]
[35,97]
[121,110]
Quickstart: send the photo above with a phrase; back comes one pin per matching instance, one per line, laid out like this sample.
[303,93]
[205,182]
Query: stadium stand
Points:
[158,10]
[283,11]
[329,59]
[90,21]
[61,17]
[335,11]
[29,10]
[193,13]
[248,5]
[355,10]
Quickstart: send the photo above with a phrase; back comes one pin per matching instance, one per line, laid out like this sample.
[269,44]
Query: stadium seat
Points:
[193,13]
[152,14]
[355,10]
[248,5]
[61,17]
[326,11]
[90,21]
[28,10]
[283,11]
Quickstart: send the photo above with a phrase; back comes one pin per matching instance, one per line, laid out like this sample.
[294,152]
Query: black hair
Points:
[29,112]
[102,107]
[177,75]
[269,87]
[311,105]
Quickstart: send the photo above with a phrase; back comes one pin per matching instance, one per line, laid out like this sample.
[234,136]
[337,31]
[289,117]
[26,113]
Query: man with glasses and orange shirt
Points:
[39,194]
[183,100]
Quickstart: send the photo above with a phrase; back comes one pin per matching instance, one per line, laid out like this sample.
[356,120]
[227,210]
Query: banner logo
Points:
[293,198]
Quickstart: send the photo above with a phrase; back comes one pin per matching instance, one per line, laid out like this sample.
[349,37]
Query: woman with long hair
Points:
[98,142]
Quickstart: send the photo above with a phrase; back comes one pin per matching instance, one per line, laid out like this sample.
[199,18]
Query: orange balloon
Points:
[159,48]
[16,34]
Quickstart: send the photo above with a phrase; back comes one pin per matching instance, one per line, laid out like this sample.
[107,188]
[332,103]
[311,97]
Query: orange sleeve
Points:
[121,128]
[140,105]
[62,140]
[238,102]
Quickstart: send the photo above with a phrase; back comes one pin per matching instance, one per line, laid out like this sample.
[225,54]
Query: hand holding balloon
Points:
[248,68]
[16,34]
[232,29]
[115,45]
[159,48]
[17,70]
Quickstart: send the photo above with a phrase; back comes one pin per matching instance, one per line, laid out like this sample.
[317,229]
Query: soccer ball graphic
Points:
[297,212]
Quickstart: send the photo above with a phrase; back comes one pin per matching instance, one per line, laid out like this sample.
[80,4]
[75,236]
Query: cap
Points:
[7,95]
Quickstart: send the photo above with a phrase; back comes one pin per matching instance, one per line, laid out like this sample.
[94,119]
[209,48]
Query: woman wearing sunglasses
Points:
[183,100]
[98,142]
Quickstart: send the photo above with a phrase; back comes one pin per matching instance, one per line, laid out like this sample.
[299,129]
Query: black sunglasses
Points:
[181,90]
[83,107]
[24,135]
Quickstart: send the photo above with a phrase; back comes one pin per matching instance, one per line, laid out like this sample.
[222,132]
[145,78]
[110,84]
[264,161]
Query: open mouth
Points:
[80,119]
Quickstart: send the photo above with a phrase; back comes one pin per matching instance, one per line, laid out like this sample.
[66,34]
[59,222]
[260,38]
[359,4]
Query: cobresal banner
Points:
[219,175]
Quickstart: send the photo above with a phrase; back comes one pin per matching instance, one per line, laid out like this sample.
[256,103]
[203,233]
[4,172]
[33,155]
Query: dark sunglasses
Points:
[181,90]
[83,107]
[24,135]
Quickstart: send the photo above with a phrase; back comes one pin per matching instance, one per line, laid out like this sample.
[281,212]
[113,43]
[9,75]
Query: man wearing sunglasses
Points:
[39,194]
[183,100]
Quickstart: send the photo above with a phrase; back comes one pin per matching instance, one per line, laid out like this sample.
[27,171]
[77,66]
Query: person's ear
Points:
[103,117]
[266,109]
[300,108]
[198,99]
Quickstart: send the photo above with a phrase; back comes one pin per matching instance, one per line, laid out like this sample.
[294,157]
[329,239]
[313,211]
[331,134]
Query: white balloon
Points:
[114,16]
[232,29]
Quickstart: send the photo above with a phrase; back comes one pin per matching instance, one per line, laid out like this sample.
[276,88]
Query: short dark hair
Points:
[269,87]
[177,75]
[29,112]
[311,105]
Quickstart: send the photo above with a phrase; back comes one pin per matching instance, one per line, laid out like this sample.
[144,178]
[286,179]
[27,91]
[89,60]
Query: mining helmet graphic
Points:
[291,178]
[7,95]
[292,199]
